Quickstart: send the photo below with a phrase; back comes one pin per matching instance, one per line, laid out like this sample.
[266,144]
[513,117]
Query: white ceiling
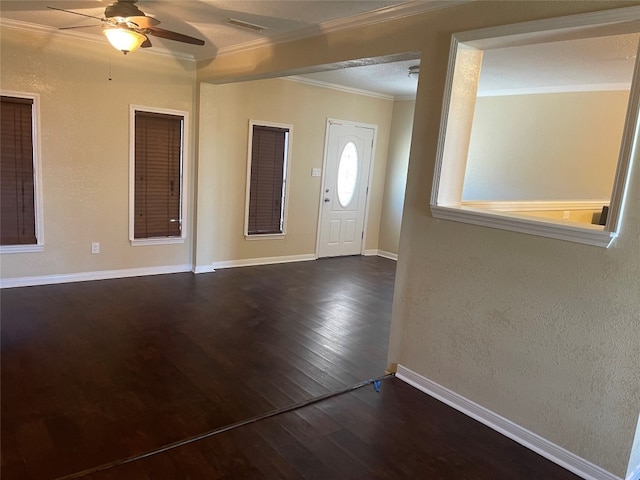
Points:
[384,76]
[604,62]
[587,62]
[206,19]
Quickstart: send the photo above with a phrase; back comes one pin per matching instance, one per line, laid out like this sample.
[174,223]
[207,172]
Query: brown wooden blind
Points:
[158,149]
[17,196]
[267,180]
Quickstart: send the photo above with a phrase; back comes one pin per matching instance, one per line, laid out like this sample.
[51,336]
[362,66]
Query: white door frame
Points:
[369,179]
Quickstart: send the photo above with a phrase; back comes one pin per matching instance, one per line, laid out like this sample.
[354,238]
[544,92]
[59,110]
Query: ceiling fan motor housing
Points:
[123,9]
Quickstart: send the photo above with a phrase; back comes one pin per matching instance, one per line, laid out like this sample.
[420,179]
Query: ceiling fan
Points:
[126,27]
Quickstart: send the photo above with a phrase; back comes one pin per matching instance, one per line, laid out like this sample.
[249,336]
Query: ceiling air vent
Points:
[249,26]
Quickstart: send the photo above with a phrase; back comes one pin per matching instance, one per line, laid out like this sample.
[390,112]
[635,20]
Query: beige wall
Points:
[85,147]
[577,160]
[224,121]
[85,125]
[396,177]
[541,331]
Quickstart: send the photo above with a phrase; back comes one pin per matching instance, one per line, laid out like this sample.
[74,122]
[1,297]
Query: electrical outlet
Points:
[95,247]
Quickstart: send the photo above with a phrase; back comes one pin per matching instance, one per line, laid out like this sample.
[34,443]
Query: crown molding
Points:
[386,14]
[342,88]
[596,87]
[405,98]
[381,15]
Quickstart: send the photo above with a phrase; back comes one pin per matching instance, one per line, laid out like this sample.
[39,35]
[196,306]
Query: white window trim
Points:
[264,236]
[449,172]
[287,177]
[184,164]
[531,206]
[37,176]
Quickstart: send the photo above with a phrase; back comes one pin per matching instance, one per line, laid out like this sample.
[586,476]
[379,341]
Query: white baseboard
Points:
[524,437]
[374,252]
[389,255]
[89,276]
[140,272]
[204,269]
[251,262]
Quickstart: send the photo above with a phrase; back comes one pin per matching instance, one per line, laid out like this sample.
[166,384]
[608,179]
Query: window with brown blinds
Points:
[158,165]
[17,185]
[267,180]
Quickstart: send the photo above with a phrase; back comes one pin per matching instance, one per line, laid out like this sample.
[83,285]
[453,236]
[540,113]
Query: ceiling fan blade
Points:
[79,26]
[146,43]
[143,22]
[178,37]
[76,13]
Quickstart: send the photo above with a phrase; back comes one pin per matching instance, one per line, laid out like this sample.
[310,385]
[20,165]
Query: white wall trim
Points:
[286,177]
[341,88]
[385,14]
[203,269]
[185,148]
[250,262]
[389,255]
[145,242]
[334,121]
[90,276]
[11,249]
[506,427]
[596,87]
[577,232]
[37,175]
[453,141]
[532,206]
[374,252]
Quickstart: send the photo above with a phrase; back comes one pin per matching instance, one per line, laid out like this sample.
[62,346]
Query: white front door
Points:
[348,155]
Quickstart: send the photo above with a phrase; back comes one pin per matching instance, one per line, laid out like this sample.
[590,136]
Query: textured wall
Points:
[396,178]
[85,147]
[224,118]
[541,331]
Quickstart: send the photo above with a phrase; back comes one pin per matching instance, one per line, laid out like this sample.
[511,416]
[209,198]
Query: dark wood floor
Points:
[97,372]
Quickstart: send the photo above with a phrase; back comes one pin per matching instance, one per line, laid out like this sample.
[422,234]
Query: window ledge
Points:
[265,236]
[21,248]
[582,233]
[141,242]
[532,206]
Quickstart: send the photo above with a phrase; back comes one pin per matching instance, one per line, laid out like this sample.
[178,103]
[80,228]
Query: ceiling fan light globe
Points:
[124,39]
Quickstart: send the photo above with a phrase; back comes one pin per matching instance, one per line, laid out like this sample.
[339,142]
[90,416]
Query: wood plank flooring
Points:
[97,372]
